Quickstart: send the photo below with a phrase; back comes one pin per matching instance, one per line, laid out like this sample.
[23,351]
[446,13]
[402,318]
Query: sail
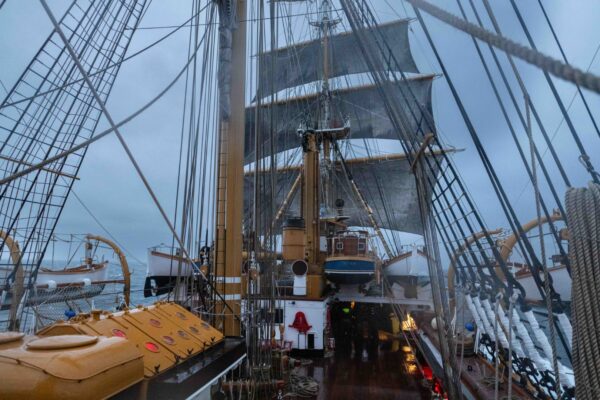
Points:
[362,105]
[298,64]
[387,184]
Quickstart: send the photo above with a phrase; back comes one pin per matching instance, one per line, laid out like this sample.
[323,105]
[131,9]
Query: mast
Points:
[316,171]
[310,196]
[326,25]
[232,76]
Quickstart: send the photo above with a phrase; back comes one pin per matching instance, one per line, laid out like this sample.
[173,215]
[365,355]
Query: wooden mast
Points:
[230,183]
[311,172]
[310,199]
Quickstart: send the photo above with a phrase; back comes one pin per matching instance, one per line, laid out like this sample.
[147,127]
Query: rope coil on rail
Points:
[583,212]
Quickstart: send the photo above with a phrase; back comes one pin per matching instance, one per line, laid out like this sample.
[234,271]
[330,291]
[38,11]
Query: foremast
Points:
[228,244]
[320,152]
[317,163]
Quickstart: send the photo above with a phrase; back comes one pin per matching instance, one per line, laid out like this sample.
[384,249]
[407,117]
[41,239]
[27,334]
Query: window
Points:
[339,246]
[278,316]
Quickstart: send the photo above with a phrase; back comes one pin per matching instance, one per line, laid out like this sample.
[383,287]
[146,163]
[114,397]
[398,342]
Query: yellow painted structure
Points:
[315,284]
[101,352]
[68,367]
[292,247]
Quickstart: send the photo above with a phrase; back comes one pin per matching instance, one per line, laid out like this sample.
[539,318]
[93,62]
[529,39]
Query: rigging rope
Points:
[564,56]
[547,288]
[108,116]
[99,71]
[105,132]
[546,63]
[512,128]
[584,157]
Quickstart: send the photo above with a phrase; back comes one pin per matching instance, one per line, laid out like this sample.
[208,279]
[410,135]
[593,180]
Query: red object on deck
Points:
[427,372]
[300,323]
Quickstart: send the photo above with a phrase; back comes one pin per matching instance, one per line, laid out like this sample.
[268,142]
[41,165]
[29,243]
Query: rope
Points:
[108,116]
[511,306]
[547,291]
[583,211]
[105,132]
[564,57]
[496,350]
[544,62]
[542,341]
[302,386]
[100,71]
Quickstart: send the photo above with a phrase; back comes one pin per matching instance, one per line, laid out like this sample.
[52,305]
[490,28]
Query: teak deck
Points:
[381,375]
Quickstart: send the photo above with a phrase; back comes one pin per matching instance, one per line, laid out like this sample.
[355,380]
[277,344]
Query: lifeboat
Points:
[91,272]
[409,270]
[164,264]
[561,281]
[349,260]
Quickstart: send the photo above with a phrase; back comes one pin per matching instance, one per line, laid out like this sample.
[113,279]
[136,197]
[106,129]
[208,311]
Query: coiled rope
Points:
[302,386]
[583,213]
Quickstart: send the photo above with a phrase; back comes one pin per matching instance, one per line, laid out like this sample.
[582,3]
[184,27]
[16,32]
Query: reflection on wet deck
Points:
[387,371]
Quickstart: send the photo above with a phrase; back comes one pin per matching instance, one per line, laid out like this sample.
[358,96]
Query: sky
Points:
[111,190]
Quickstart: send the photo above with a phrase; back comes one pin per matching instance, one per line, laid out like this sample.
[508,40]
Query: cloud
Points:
[111,189]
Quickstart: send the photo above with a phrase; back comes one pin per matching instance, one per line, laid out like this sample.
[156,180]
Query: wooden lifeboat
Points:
[349,260]
[90,272]
[164,265]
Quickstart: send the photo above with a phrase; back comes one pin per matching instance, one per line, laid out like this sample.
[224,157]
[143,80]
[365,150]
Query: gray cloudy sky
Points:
[110,188]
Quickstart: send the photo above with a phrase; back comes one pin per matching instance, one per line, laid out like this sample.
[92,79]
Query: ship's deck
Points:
[383,373]
[477,375]
[192,378]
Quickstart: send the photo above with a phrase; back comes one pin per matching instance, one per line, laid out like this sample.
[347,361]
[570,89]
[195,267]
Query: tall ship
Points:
[322,236]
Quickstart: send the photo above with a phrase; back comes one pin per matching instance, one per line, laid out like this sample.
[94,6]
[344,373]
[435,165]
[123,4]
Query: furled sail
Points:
[297,65]
[363,106]
[387,184]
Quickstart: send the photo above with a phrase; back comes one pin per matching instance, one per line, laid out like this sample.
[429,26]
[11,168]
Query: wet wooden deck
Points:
[388,372]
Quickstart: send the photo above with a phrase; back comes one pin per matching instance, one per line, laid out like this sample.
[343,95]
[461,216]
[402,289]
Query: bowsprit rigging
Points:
[316,208]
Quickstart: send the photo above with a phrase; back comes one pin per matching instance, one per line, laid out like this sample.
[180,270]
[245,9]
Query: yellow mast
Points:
[311,176]
[310,199]
[230,183]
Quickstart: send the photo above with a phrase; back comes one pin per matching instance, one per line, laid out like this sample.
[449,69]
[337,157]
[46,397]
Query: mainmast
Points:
[228,246]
